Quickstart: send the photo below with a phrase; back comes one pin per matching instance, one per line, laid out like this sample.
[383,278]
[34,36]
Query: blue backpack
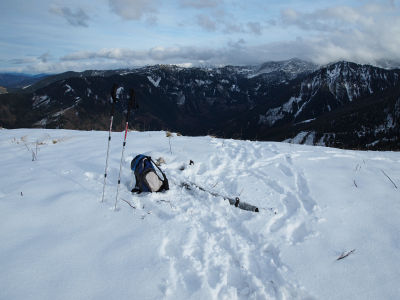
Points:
[147,178]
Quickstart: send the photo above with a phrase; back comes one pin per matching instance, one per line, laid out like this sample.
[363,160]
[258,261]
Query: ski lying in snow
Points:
[232,201]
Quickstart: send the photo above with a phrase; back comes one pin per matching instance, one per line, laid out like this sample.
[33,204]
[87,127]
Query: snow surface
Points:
[155,82]
[58,241]
[40,100]
[271,116]
[181,99]
[68,89]
[299,138]
[119,92]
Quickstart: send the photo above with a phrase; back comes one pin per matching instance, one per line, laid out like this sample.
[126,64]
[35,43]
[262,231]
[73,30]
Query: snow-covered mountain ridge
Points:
[344,81]
[292,67]
[278,104]
[316,205]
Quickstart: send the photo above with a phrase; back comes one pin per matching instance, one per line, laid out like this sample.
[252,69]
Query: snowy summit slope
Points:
[58,241]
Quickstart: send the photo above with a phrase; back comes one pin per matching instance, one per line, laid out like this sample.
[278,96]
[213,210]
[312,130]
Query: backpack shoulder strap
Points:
[136,160]
[165,185]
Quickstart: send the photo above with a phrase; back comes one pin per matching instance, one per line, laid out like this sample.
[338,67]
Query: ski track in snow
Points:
[202,247]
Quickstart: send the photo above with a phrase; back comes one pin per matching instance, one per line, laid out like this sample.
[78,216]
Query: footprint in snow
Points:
[285,170]
[291,206]
[288,159]
[304,193]
[300,234]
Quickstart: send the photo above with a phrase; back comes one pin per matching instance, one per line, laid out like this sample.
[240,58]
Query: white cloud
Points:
[363,34]
[220,16]
[44,57]
[135,9]
[152,56]
[23,61]
[255,27]
[31,59]
[113,54]
[228,24]
[201,4]
[317,49]
[78,17]
[206,22]
[233,53]
[330,19]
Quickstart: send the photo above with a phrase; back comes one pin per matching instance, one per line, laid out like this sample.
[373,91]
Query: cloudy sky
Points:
[56,35]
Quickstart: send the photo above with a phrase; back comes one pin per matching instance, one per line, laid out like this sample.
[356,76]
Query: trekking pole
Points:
[114,100]
[132,104]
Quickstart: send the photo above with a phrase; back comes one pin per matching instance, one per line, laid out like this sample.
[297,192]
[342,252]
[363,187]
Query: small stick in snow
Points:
[33,156]
[166,201]
[354,181]
[144,216]
[27,148]
[134,207]
[162,200]
[169,135]
[345,254]
[215,185]
[389,178]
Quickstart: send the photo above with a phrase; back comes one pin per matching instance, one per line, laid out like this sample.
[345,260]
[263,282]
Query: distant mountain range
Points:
[13,81]
[343,104]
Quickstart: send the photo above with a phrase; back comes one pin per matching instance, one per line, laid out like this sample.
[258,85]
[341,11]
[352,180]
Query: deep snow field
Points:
[59,241]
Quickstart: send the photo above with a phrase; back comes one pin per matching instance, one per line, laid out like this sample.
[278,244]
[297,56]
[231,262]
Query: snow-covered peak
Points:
[293,67]
[347,80]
